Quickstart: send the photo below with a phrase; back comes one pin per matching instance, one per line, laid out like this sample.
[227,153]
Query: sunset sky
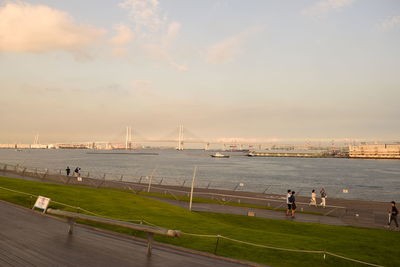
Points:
[267,69]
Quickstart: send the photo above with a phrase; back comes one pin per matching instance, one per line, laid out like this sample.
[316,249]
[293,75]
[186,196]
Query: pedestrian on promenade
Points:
[313,200]
[323,197]
[68,170]
[289,204]
[292,199]
[77,171]
[393,215]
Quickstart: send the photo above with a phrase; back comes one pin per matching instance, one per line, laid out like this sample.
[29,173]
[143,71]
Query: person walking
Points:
[68,170]
[393,215]
[77,172]
[293,201]
[289,204]
[313,200]
[323,197]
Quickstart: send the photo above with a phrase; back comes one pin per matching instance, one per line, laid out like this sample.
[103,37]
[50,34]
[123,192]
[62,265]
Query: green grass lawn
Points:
[371,245]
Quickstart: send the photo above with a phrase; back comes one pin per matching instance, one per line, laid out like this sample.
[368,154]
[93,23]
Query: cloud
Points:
[323,7]
[123,36]
[172,33]
[154,31]
[144,14]
[225,50]
[37,28]
[161,52]
[121,39]
[390,23]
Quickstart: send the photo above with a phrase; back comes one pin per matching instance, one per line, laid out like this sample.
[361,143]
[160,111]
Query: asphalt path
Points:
[28,238]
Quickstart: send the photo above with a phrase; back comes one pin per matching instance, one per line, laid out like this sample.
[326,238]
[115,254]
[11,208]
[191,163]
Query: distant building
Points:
[73,146]
[382,151]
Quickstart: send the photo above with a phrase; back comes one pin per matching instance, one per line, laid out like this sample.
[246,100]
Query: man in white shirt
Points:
[289,204]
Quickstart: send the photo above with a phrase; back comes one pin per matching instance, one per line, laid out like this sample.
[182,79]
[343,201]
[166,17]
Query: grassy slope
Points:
[377,246]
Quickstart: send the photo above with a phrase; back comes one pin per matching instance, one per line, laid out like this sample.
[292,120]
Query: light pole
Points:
[191,189]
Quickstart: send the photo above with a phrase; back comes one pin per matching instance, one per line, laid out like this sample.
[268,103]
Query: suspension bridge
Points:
[179,138]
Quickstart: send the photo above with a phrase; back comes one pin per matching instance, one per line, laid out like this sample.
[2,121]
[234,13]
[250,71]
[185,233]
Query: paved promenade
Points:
[307,218]
[28,238]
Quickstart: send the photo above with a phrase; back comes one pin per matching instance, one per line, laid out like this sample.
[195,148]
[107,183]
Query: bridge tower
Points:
[180,137]
[207,146]
[128,138]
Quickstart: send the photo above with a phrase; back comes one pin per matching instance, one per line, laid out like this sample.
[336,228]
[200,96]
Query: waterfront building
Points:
[389,151]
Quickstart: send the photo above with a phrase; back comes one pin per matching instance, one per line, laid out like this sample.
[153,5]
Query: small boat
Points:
[219,155]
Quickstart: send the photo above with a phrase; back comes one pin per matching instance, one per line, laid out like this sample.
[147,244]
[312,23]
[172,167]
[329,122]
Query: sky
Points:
[225,69]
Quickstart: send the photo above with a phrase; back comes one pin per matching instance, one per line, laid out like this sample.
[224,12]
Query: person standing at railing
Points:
[323,197]
[313,198]
[68,170]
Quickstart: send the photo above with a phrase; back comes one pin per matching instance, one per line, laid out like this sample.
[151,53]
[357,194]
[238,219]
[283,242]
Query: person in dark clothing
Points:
[393,215]
[76,171]
[292,199]
[68,170]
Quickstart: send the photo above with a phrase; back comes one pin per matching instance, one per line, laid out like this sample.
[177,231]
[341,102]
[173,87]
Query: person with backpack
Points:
[393,215]
[292,199]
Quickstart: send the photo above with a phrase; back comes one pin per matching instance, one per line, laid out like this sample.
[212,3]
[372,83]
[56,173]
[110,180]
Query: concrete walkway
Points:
[307,218]
[28,238]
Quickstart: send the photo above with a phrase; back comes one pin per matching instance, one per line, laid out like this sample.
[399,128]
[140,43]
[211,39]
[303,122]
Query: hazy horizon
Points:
[267,70]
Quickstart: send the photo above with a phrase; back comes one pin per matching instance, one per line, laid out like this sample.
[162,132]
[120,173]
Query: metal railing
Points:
[181,181]
[149,230]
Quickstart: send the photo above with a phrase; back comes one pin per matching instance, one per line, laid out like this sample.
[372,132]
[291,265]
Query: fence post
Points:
[216,245]
[150,238]
[71,222]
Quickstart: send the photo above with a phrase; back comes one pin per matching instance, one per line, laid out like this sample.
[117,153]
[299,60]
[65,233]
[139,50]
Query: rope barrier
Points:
[69,206]
[214,236]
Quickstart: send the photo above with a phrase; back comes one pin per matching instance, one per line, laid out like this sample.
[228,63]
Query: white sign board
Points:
[42,203]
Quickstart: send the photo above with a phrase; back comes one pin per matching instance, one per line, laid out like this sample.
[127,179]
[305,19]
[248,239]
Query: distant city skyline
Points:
[226,69]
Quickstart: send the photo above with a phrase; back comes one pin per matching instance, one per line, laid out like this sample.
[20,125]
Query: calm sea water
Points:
[377,180]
